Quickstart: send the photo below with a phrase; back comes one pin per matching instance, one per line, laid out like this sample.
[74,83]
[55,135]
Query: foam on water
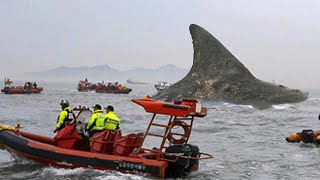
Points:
[282,106]
[62,171]
[121,176]
[229,105]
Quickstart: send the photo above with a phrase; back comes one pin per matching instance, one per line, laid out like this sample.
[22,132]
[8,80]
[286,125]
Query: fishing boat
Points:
[172,156]
[86,86]
[112,88]
[28,88]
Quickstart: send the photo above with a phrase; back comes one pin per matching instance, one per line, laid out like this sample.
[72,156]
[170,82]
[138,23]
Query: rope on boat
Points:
[6,127]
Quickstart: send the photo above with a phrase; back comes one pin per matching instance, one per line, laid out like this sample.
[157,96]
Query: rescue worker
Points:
[35,85]
[112,121]
[96,122]
[63,116]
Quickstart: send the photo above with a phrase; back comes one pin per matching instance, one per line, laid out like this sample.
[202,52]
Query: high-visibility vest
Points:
[96,121]
[63,117]
[111,121]
[99,125]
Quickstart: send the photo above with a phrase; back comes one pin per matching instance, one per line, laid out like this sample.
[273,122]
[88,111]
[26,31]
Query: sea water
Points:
[246,143]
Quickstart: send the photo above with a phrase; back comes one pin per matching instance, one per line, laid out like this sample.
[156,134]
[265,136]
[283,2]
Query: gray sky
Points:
[275,39]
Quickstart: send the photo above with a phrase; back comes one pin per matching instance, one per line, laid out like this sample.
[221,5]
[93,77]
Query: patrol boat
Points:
[172,157]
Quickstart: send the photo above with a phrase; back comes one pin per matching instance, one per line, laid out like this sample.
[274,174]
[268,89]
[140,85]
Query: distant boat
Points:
[28,88]
[112,88]
[161,85]
[131,81]
[85,86]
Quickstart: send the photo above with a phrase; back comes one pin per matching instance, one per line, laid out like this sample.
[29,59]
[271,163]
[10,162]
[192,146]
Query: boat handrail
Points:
[207,156]
[199,157]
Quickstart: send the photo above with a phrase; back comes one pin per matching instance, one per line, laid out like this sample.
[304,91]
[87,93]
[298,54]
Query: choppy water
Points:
[246,143]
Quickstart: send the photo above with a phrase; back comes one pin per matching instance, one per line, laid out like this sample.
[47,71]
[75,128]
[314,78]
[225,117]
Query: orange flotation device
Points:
[184,136]
[305,136]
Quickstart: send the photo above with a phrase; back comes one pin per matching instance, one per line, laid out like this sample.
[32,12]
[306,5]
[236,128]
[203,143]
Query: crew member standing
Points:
[63,117]
[112,121]
[96,122]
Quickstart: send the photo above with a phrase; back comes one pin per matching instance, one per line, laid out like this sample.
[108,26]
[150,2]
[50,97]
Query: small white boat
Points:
[161,85]
[132,81]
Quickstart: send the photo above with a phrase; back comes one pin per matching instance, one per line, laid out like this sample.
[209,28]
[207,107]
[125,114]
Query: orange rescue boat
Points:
[172,157]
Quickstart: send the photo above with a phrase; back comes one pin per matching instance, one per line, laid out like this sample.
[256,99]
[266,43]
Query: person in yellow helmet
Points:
[112,121]
[96,122]
[63,116]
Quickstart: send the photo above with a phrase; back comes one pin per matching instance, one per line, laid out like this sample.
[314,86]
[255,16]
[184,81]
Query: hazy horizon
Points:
[276,40]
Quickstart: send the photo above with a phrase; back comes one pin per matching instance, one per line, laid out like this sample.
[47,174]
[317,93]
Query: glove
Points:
[86,133]
[55,130]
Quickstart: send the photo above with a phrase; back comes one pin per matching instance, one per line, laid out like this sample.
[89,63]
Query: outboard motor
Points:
[179,167]
[194,163]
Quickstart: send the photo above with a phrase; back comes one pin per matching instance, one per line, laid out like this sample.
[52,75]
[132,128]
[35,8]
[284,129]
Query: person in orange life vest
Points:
[96,122]
[64,116]
[112,121]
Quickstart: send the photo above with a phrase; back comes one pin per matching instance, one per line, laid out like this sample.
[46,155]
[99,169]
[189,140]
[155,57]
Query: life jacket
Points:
[112,121]
[307,136]
[98,124]
[68,118]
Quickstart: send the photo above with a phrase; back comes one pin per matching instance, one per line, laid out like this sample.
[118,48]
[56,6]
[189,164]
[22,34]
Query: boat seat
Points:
[103,142]
[139,139]
[130,139]
[124,145]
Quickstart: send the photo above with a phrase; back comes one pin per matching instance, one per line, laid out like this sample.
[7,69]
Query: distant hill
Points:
[168,72]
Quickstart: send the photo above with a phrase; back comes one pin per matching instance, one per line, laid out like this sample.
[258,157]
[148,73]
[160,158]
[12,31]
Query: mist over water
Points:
[246,143]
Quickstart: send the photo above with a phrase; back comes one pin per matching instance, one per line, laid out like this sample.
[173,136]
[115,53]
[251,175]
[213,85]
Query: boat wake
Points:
[238,106]
[88,174]
[61,171]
